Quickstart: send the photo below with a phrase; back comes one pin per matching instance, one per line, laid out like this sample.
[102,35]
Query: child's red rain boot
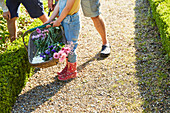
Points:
[70,73]
[65,69]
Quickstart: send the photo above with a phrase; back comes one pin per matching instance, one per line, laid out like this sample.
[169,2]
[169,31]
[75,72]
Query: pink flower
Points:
[60,53]
[45,31]
[0,38]
[62,49]
[56,56]
[67,49]
[38,30]
[63,56]
[67,53]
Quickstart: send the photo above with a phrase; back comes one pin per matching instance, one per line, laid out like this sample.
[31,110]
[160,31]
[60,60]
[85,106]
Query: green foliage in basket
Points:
[48,41]
[161,14]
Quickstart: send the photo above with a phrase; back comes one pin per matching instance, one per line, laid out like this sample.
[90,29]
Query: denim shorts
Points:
[34,7]
[90,8]
[71,25]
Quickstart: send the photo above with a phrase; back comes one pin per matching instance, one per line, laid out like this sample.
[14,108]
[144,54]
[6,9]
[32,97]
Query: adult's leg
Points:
[100,27]
[36,9]
[11,24]
[91,8]
[43,18]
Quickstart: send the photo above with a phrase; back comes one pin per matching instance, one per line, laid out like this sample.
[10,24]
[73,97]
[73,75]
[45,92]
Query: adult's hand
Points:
[7,15]
[50,4]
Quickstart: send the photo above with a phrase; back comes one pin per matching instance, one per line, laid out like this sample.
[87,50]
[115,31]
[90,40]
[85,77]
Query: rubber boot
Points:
[65,69]
[70,73]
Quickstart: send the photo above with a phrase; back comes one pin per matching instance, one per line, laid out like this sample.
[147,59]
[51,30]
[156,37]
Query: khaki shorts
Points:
[90,8]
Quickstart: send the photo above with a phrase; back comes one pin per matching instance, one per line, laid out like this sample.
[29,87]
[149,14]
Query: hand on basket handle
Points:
[55,23]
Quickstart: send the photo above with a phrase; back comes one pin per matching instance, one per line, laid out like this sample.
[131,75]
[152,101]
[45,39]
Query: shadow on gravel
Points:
[34,98]
[31,100]
[151,63]
[96,57]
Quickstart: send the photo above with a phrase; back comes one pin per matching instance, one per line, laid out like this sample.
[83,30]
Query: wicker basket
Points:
[31,48]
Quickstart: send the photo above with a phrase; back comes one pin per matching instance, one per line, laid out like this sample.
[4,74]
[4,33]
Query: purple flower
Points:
[47,52]
[42,55]
[50,46]
[53,50]
[51,58]
[38,30]
[0,38]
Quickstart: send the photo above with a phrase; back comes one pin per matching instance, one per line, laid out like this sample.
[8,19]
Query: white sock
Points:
[107,44]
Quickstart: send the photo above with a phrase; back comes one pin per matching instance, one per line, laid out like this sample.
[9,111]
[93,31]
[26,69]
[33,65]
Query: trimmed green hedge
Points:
[14,71]
[14,66]
[161,14]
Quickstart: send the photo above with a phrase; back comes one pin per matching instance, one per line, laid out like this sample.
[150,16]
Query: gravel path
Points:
[103,85]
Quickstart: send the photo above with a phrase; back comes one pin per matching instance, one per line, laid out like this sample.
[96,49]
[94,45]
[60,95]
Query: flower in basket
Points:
[48,44]
[56,56]
[47,52]
[62,54]
[38,30]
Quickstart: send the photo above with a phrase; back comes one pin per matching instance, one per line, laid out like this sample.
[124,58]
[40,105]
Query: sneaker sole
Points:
[104,55]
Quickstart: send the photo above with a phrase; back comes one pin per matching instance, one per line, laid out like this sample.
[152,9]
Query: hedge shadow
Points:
[151,64]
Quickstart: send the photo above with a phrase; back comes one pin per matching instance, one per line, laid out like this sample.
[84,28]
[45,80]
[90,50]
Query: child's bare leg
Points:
[11,24]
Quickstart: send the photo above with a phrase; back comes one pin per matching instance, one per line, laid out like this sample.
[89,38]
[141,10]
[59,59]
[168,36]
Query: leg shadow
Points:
[96,57]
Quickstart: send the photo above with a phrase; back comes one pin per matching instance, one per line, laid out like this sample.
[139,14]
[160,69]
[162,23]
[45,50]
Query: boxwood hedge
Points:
[161,14]
[14,71]
[14,66]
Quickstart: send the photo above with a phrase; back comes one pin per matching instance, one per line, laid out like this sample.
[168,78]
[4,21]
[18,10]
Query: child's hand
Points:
[47,23]
[56,23]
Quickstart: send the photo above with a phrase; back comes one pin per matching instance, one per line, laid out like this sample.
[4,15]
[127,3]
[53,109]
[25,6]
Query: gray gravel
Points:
[119,83]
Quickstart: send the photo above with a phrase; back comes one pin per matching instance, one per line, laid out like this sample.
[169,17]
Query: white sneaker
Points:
[105,52]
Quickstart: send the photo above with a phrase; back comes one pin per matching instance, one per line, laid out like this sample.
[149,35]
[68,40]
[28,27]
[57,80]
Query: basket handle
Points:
[63,34]
[33,29]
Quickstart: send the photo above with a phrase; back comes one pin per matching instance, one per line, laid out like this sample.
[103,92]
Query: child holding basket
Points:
[69,18]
